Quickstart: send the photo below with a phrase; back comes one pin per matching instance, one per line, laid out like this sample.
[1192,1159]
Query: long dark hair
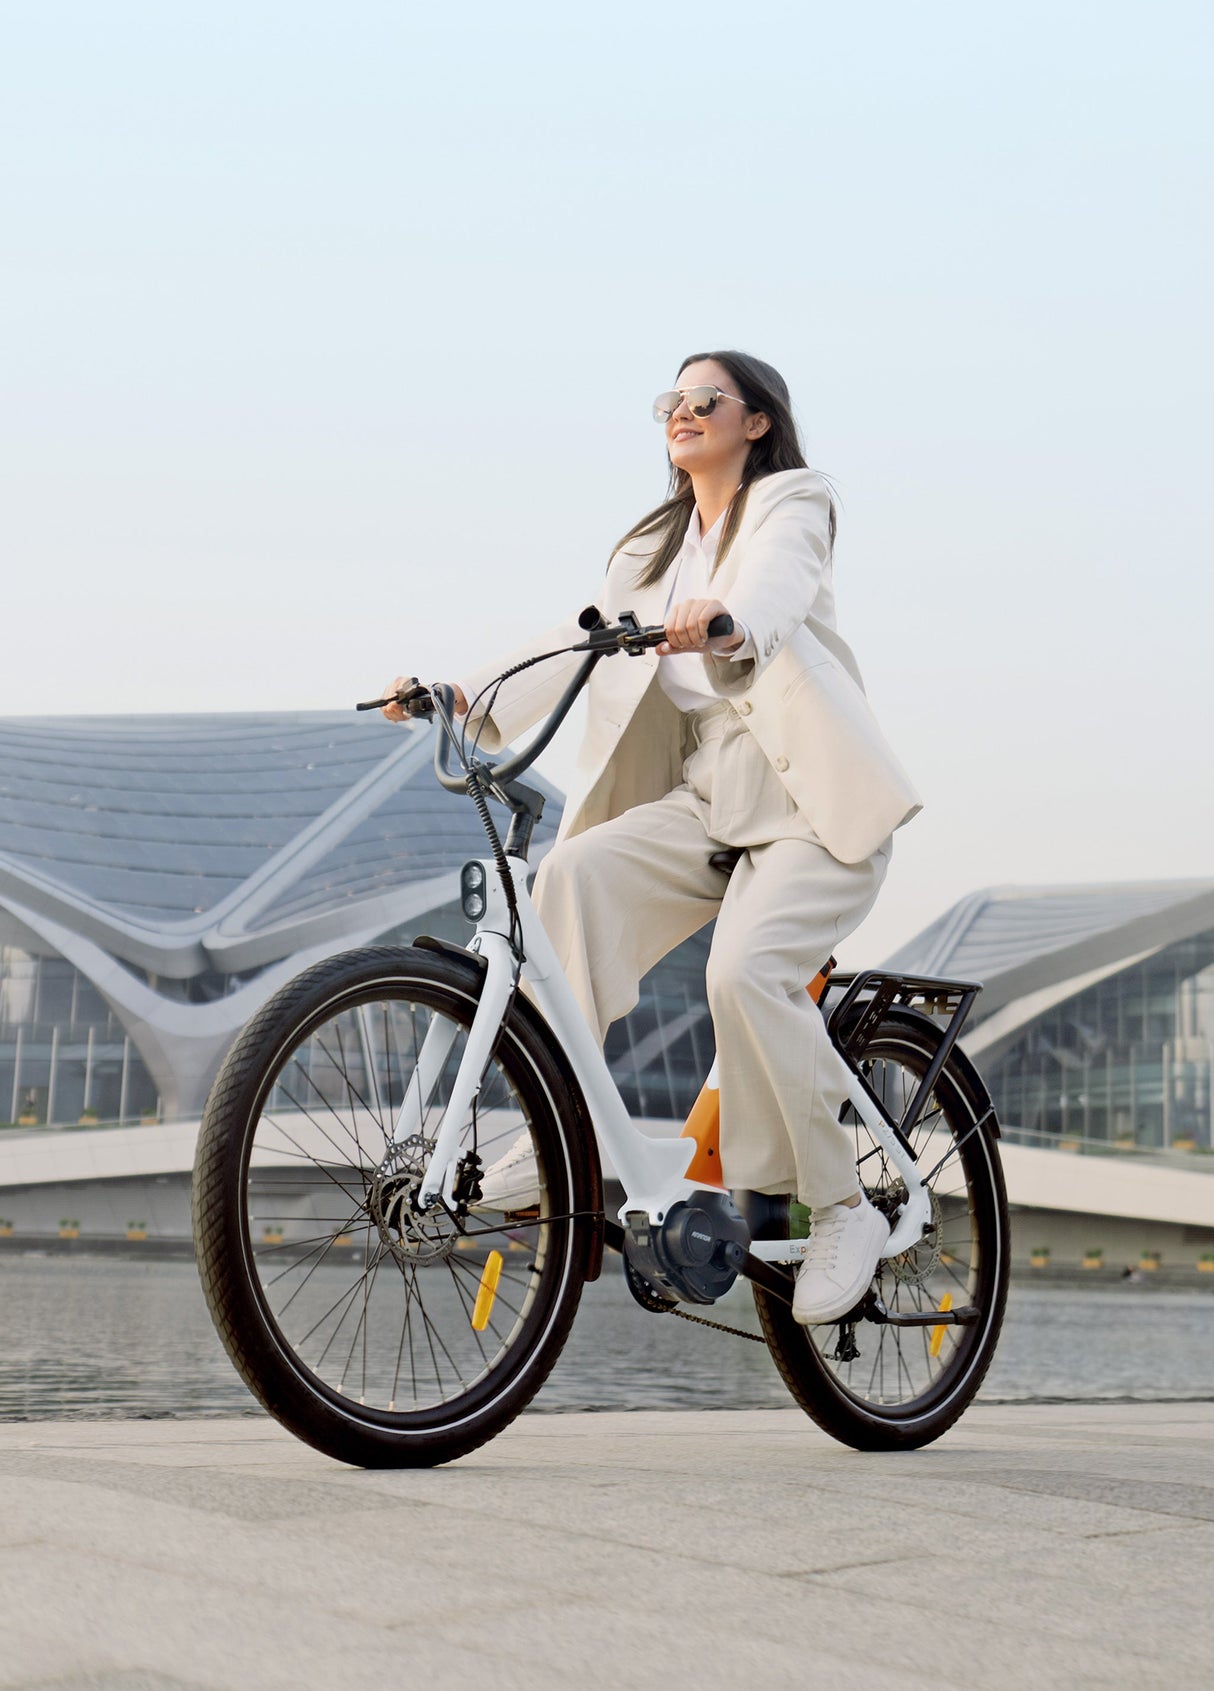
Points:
[762,388]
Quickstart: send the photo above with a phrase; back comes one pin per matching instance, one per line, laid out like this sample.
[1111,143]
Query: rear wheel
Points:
[382,1336]
[882,1387]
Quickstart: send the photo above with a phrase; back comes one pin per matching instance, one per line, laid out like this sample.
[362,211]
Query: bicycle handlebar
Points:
[628,636]
[603,640]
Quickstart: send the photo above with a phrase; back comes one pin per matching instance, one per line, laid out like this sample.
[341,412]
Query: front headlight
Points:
[472,891]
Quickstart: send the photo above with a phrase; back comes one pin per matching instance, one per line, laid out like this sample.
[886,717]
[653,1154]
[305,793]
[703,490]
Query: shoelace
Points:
[826,1226]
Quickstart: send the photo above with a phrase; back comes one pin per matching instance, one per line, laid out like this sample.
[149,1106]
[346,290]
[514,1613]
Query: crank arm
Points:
[762,1273]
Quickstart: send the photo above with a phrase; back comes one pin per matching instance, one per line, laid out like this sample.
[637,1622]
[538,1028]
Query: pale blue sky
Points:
[330,332]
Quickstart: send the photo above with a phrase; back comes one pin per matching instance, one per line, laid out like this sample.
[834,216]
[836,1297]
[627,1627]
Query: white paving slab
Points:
[1032,1547]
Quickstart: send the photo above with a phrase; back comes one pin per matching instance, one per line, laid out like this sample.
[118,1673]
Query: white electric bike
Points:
[379,1310]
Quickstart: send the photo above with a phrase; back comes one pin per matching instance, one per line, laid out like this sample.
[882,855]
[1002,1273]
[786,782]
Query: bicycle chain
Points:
[719,1326]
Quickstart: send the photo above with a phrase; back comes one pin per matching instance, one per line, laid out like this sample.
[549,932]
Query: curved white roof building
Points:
[1096,1021]
[161,876]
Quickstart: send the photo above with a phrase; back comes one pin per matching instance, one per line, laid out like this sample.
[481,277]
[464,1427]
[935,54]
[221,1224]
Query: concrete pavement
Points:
[1032,1547]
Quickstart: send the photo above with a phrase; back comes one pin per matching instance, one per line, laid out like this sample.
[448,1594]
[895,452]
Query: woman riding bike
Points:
[761,745]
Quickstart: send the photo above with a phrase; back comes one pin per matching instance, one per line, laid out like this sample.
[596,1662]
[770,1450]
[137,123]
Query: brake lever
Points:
[416,701]
[627,636]
[637,639]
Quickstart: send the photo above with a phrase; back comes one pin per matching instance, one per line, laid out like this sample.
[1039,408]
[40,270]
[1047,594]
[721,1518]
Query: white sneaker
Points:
[845,1246]
[513,1181]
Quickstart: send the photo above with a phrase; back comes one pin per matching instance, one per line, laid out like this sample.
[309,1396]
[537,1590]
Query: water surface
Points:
[92,1337]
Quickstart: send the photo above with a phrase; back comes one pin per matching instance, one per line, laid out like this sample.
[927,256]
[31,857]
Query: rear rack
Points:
[926,993]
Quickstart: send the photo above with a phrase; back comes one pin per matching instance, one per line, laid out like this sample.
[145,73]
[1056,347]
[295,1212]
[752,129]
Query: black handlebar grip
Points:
[720,626]
[590,619]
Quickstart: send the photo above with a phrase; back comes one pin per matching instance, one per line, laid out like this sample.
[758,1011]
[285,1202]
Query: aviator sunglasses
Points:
[701,402]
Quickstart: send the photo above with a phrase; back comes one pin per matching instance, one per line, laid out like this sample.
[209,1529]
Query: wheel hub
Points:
[413,1236]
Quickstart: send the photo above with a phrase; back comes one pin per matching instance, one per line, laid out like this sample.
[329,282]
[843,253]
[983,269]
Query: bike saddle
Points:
[727,860]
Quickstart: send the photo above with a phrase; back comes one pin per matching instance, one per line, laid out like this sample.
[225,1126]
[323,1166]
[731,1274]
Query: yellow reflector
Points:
[482,1309]
[946,1303]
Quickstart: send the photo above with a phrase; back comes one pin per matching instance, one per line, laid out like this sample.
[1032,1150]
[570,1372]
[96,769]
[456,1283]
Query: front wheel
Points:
[383,1336]
[884,1387]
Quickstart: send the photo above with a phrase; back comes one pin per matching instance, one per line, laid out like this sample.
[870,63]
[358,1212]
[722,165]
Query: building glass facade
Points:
[64,1055]
[1128,1060]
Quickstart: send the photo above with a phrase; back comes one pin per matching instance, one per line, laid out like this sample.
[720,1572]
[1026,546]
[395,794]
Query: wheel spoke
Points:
[350,1133]
[320,1252]
[307,1155]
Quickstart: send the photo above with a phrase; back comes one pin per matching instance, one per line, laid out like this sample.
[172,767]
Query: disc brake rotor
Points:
[413,1238]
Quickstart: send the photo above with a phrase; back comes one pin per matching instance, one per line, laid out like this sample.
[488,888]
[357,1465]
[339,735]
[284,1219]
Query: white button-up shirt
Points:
[681,675]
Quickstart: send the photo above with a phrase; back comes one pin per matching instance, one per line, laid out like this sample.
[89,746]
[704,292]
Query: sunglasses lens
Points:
[665,405]
[701,402]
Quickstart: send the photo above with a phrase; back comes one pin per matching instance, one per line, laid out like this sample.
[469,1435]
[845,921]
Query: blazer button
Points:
[781,764]
[744,708]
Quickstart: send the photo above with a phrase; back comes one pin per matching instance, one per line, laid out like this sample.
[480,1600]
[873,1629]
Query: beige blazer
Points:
[801,695]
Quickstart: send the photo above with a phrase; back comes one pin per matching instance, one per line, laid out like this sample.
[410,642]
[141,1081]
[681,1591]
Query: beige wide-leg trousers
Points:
[620,896]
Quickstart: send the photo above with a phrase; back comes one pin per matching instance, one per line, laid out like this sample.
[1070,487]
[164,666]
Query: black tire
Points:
[300,1192]
[893,1394]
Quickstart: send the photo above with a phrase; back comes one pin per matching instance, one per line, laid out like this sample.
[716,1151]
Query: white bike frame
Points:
[652,1171]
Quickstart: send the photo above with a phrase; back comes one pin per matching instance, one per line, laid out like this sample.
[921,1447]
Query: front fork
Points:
[439,1178]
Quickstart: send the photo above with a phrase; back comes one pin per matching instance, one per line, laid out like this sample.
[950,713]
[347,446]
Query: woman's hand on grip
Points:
[687,629]
[400,689]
